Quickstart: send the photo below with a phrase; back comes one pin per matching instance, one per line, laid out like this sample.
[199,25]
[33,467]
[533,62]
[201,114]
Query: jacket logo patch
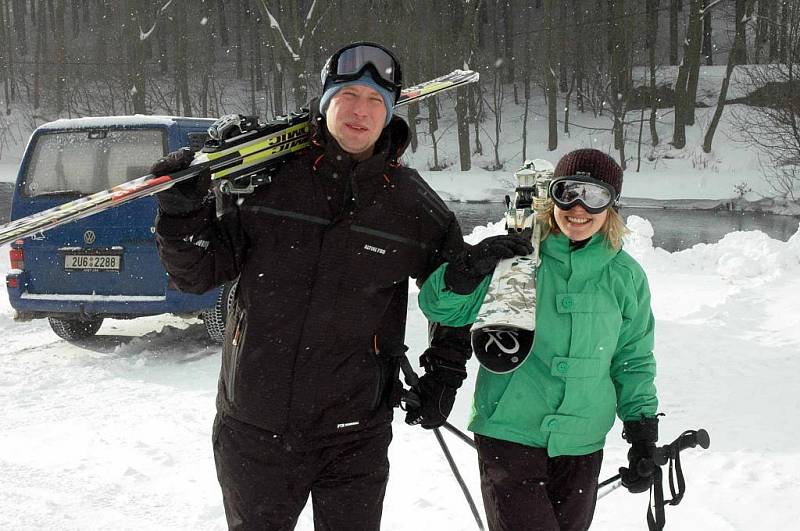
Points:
[347,424]
[374,249]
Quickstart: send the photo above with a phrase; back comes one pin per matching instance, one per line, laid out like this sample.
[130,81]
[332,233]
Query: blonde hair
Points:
[613,229]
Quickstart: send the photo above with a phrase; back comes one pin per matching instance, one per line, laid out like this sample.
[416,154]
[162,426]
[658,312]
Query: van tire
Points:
[75,329]
[215,318]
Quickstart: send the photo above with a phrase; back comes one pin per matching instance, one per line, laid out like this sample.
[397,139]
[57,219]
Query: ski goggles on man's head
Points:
[351,62]
[592,194]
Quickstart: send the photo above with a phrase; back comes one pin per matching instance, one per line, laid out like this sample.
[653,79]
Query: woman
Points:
[540,429]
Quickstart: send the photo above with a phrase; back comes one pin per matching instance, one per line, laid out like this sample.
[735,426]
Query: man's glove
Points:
[467,271]
[187,196]
[642,435]
[435,392]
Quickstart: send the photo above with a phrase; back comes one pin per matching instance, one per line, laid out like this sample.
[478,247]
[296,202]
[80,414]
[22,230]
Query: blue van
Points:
[105,265]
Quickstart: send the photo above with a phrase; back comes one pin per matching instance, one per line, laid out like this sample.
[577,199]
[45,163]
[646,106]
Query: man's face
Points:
[355,117]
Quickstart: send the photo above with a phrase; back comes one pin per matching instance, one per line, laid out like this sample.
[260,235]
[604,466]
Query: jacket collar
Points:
[591,257]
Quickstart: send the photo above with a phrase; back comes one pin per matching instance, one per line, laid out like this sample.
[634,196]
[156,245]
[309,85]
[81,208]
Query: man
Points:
[323,255]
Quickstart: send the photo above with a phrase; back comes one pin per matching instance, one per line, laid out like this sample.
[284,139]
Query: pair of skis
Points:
[237,162]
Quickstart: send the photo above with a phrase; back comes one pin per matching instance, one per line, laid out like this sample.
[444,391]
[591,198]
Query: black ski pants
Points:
[525,490]
[265,485]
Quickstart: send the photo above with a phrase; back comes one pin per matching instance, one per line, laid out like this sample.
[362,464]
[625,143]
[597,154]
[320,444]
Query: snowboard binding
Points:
[502,335]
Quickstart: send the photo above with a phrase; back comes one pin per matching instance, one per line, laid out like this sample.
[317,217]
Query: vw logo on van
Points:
[89,237]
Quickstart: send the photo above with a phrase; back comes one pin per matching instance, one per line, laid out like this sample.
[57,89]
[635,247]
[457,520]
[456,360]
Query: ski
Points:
[502,334]
[239,163]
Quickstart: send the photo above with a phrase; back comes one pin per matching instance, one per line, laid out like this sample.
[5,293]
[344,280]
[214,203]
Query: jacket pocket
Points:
[237,344]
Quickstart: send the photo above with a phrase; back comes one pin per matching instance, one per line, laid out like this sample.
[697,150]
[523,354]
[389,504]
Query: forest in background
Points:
[72,58]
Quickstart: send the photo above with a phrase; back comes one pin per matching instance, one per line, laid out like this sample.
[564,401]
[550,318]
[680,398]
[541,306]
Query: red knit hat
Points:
[594,162]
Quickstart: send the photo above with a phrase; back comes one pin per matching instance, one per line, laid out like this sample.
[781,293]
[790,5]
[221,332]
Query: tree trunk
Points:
[784,32]
[761,34]
[708,48]
[466,27]
[740,47]
[40,53]
[774,43]
[619,71]
[413,115]
[651,39]
[508,41]
[433,126]
[20,33]
[723,93]
[182,98]
[694,37]
[60,55]
[674,7]
[579,51]
[526,86]
[222,23]
[551,89]
[462,117]
[476,112]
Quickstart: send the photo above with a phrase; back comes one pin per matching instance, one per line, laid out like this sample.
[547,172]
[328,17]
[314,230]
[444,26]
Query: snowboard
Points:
[503,332]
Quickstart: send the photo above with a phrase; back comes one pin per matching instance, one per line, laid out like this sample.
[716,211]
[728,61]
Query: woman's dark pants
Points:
[525,490]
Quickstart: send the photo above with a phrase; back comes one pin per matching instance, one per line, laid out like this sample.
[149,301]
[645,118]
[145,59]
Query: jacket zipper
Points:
[376,356]
[236,347]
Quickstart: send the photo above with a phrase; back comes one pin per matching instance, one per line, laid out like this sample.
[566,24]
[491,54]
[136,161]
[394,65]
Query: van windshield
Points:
[88,161]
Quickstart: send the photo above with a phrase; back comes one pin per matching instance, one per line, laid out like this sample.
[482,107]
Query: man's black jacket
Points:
[323,255]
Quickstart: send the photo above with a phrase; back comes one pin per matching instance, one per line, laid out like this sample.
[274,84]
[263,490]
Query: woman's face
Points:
[577,224]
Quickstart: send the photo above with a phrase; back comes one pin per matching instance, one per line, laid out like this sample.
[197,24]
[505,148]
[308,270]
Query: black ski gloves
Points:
[185,197]
[642,435]
[435,392]
[468,270]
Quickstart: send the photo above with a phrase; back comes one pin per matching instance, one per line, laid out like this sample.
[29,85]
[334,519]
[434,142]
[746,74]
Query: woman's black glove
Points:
[187,196]
[435,392]
[468,270]
[642,435]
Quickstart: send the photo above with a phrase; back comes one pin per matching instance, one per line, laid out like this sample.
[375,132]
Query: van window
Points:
[88,161]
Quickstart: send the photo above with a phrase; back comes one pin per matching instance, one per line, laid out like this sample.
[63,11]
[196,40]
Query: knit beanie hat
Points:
[331,88]
[594,162]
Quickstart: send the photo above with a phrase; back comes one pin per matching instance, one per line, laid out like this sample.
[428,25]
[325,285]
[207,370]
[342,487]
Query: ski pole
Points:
[458,477]
[669,453]
[662,455]
[460,434]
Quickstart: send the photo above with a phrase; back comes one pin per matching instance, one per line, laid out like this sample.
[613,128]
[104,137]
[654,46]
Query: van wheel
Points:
[74,329]
[215,318]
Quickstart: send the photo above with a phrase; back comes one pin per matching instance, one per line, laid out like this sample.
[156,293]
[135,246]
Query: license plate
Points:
[92,262]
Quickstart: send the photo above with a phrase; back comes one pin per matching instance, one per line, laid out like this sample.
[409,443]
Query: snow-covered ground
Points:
[114,433]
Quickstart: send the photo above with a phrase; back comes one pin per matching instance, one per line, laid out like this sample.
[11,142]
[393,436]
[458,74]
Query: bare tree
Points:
[674,7]
[708,46]
[740,48]
[723,93]
[650,42]
[619,71]
[684,99]
[692,58]
[294,38]
[549,75]
[772,122]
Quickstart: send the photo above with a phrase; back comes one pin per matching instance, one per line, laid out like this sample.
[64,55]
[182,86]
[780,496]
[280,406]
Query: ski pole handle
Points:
[687,439]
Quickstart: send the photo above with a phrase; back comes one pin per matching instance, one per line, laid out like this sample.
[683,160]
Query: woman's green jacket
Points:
[592,353]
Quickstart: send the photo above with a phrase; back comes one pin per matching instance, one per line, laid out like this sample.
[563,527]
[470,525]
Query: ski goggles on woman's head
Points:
[593,194]
[351,62]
